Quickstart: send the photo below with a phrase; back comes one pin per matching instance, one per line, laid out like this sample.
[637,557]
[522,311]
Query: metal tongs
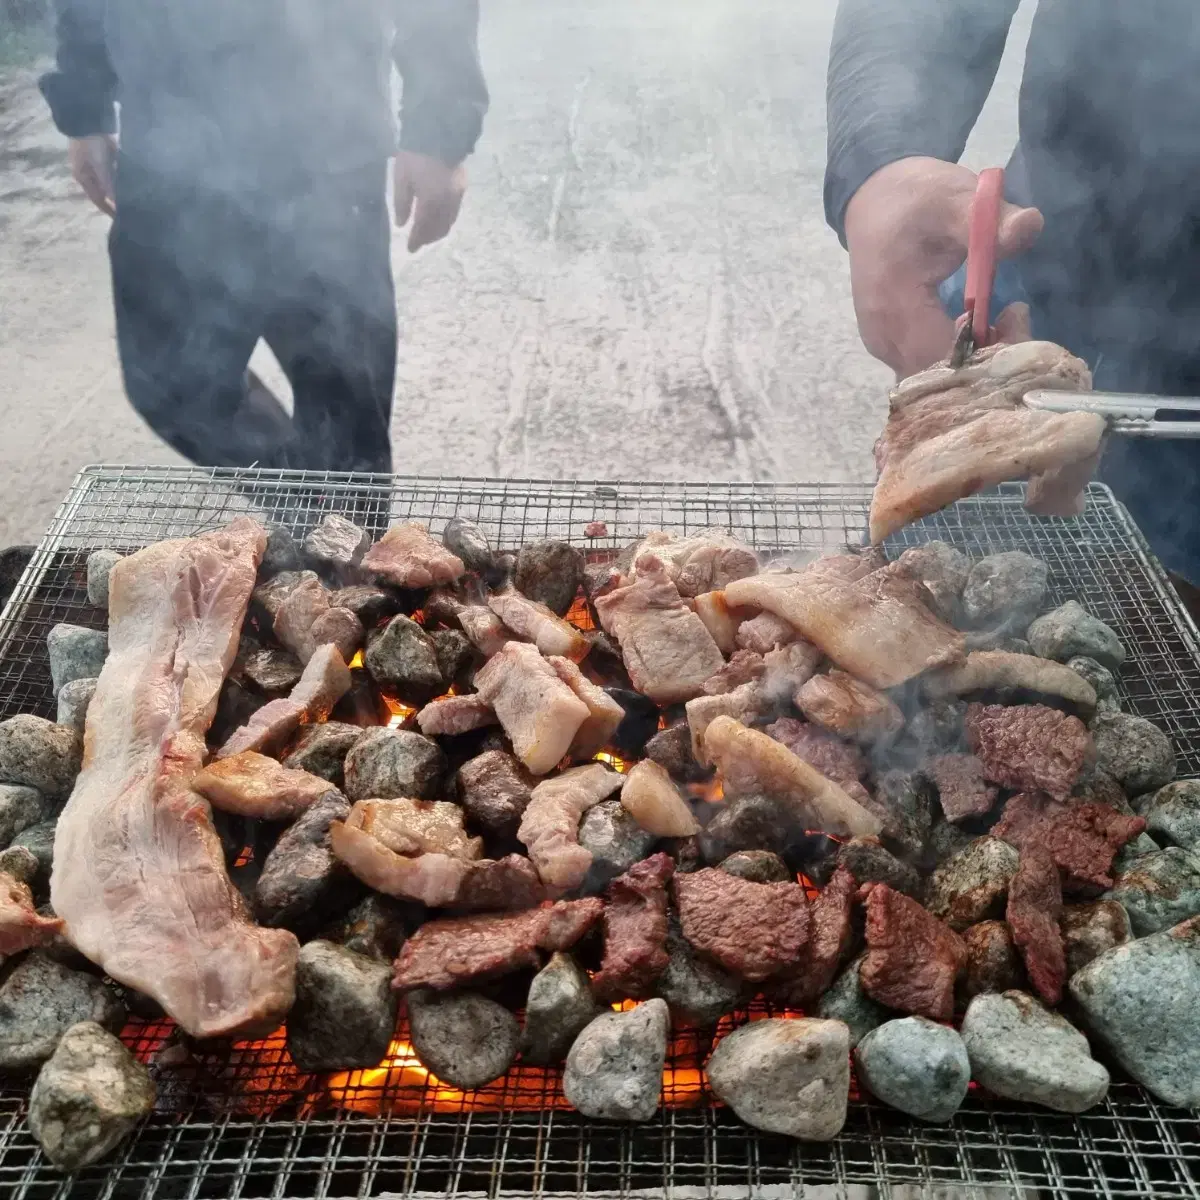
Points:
[1134,414]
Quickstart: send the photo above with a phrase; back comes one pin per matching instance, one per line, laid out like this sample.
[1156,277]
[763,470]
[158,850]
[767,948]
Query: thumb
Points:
[1012,325]
[1019,229]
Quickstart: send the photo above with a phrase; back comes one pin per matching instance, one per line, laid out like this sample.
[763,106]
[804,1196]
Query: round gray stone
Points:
[785,1076]
[1091,929]
[846,1001]
[759,866]
[75,653]
[1173,814]
[559,1007]
[39,754]
[401,656]
[1134,751]
[40,1001]
[1159,890]
[336,544]
[466,540]
[616,841]
[20,807]
[73,701]
[1071,631]
[19,863]
[465,1039]
[551,572]
[321,749]
[495,789]
[1142,1000]
[388,764]
[99,566]
[282,552]
[345,1010]
[915,1065]
[1023,1051]
[614,1068]
[88,1097]
[697,991]
[972,885]
[1129,853]
[1006,588]
[1103,681]
[39,841]
[869,862]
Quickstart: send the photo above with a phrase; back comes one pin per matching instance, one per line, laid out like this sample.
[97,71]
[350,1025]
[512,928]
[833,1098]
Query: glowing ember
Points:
[357,660]
[711,792]
[400,712]
[614,760]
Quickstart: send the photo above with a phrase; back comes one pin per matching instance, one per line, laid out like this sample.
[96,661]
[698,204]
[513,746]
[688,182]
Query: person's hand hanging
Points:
[906,230]
[94,166]
[430,193]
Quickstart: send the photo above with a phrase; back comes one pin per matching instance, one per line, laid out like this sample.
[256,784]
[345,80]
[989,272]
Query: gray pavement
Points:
[641,286]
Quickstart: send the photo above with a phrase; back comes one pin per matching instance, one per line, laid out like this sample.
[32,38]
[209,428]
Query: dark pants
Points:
[199,276]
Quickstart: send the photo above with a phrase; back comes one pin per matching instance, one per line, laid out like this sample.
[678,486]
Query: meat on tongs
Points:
[952,431]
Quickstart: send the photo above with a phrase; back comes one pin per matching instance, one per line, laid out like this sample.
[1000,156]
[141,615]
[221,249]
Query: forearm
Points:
[81,90]
[445,96]
[906,77]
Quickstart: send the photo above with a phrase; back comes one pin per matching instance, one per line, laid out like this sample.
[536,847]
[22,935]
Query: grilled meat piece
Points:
[719,619]
[951,432]
[550,824]
[875,624]
[457,951]
[845,706]
[707,561]
[650,796]
[1005,675]
[912,959]
[604,713]
[139,872]
[744,666]
[455,714]
[1035,904]
[666,648]
[536,623]
[838,761]
[830,934]
[253,785]
[764,633]
[962,790]
[21,925]
[635,931]
[539,712]
[754,930]
[406,556]
[1029,747]
[749,761]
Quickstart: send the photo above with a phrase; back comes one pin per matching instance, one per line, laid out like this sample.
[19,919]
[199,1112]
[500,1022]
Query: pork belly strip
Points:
[139,876]
[950,433]
[877,626]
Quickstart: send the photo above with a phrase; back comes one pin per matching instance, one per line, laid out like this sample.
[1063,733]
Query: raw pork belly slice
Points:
[139,875]
[872,623]
[950,433]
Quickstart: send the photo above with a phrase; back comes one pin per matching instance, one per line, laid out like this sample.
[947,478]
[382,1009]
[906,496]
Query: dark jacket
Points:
[242,93]
[1109,151]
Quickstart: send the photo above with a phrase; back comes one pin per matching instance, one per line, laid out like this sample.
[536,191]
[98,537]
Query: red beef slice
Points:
[962,790]
[912,958]
[1035,905]
[635,930]
[1083,839]
[754,930]
[1029,747]
[461,950]
[829,937]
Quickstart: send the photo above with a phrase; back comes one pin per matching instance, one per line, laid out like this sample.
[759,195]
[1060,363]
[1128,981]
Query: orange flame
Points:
[357,660]
[614,760]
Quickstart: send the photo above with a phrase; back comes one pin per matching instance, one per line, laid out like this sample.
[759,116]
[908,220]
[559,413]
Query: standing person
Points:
[1103,224]
[248,196]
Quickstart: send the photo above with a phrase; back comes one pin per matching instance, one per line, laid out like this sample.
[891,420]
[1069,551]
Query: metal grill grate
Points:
[242,1122]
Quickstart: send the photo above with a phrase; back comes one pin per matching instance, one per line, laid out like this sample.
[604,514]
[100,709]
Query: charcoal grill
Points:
[242,1123]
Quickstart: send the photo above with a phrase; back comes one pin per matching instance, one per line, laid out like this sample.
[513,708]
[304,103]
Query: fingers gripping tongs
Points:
[1133,414]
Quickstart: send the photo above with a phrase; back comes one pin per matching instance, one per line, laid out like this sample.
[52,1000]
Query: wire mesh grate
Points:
[240,1120]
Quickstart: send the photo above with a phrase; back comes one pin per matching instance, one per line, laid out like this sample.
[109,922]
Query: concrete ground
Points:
[642,284]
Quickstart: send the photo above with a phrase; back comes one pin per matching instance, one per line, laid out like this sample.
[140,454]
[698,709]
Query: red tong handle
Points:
[982,237]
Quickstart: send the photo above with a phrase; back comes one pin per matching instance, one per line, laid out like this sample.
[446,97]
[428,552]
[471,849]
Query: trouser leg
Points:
[333,324]
[188,314]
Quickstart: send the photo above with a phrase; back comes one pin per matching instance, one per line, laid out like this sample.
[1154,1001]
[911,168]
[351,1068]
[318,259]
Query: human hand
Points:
[428,191]
[93,164]
[906,229]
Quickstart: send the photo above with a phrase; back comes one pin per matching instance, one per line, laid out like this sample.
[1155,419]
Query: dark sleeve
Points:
[445,96]
[81,90]
[906,77]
